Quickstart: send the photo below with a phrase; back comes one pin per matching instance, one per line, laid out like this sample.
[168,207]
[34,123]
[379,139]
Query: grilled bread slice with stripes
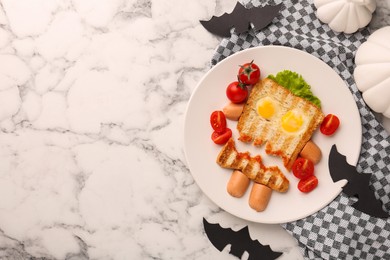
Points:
[271,130]
[252,167]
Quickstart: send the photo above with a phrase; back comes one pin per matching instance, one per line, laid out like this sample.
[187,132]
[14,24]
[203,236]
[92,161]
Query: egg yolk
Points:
[292,121]
[265,108]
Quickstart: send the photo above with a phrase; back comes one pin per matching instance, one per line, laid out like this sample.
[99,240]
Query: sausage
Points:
[259,197]
[233,111]
[238,184]
[312,152]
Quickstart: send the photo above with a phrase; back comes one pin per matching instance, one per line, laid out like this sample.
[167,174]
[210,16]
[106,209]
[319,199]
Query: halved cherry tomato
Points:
[330,124]
[221,138]
[218,121]
[249,73]
[237,92]
[308,184]
[303,168]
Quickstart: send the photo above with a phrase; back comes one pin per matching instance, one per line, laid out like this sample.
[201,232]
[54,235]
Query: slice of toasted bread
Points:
[252,167]
[252,127]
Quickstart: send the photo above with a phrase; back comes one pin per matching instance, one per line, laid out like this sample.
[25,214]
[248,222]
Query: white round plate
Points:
[201,152]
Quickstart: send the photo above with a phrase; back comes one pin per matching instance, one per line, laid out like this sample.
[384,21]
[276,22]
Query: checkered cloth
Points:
[338,231]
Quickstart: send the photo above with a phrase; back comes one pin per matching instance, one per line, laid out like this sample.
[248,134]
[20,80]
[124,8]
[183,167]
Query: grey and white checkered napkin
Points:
[338,231]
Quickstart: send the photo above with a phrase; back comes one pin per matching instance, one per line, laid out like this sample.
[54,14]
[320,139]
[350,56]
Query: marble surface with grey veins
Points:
[92,103]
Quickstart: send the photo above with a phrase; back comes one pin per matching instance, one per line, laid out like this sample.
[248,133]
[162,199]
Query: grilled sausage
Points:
[259,197]
[238,184]
[311,152]
[233,111]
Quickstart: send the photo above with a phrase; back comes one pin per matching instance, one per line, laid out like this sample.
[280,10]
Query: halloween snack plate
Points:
[201,152]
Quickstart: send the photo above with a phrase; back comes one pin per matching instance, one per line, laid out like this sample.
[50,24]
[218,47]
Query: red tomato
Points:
[308,184]
[303,168]
[236,92]
[218,121]
[330,124]
[249,73]
[221,138]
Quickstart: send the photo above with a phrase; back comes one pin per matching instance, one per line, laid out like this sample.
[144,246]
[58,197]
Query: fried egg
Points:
[293,121]
[267,107]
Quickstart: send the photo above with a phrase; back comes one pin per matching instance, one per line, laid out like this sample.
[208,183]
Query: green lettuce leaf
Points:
[296,84]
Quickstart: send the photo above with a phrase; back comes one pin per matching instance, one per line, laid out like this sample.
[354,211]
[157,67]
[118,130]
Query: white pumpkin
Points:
[372,71]
[345,15]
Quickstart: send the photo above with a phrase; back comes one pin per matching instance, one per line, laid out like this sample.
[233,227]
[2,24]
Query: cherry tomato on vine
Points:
[303,168]
[223,137]
[249,73]
[218,121]
[308,184]
[330,124]
[236,92]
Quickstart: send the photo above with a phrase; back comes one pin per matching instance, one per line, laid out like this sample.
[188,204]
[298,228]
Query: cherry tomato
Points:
[308,184]
[218,121]
[221,138]
[236,92]
[303,168]
[249,73]
[330,124]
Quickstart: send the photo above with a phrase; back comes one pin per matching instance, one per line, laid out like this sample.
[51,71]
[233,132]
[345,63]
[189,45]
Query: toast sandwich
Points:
[274,116]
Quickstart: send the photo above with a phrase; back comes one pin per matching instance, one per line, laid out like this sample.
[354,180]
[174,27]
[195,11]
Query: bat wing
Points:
[241,18]
[261,17]
[217,235]
[369,204]
[357,186]
[220,26]
[240,242]
[338,167]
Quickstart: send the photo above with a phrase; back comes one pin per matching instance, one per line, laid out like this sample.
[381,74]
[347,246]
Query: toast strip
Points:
[252,167]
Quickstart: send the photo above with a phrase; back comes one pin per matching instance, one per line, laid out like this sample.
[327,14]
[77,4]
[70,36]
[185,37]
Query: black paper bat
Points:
[241,19]
[240,242]
[357,186]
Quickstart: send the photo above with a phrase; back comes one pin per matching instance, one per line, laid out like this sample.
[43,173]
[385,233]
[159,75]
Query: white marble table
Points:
[92,103]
